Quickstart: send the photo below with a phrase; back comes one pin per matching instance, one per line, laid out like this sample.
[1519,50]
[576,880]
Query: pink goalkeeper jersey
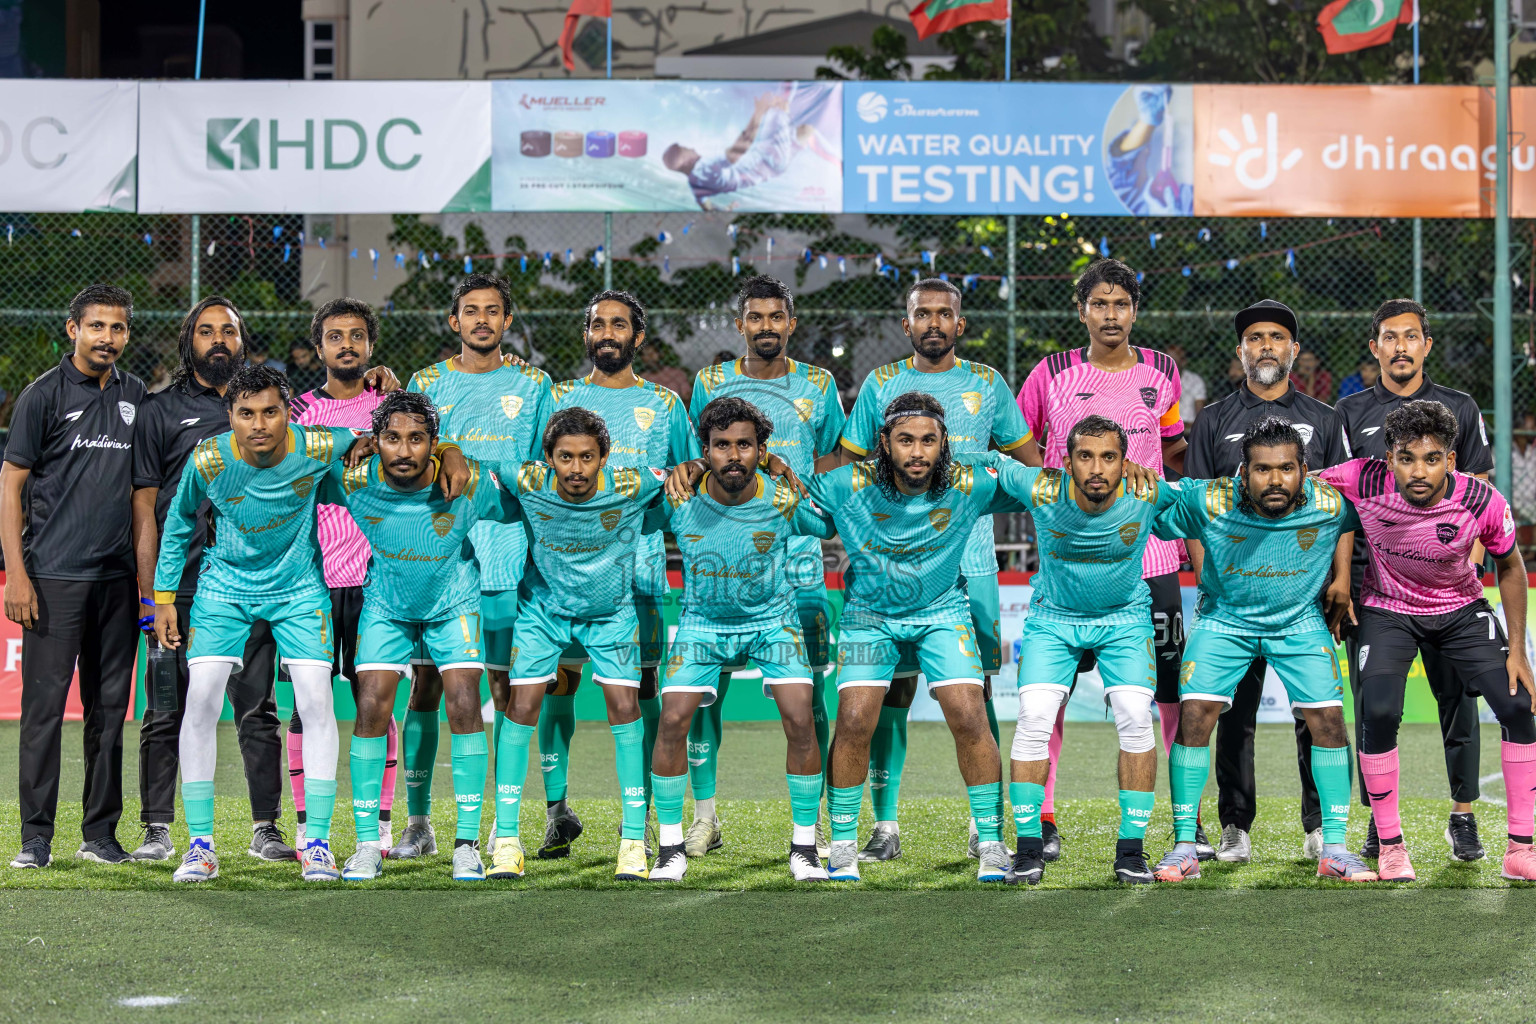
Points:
[1419,556]
[341,542]
[1065,387]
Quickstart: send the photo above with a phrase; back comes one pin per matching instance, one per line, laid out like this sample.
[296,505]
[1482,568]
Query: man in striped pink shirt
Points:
[344,332]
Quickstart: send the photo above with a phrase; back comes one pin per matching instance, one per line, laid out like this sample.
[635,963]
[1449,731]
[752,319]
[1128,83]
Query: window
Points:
[320,50]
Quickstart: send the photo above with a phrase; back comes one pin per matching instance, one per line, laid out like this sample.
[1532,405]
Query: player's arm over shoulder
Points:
[1346,476]
[1193,506]
[833,489]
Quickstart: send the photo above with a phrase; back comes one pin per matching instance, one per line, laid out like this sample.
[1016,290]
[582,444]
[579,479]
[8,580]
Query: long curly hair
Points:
[181,377]
[913,403]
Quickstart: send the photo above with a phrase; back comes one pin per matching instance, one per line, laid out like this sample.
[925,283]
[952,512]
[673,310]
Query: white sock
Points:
[973,826]
[556,809]
[803,835]
[889,826]
[672,835]
[197,745]
[312,700]
[419,819]
[704,810]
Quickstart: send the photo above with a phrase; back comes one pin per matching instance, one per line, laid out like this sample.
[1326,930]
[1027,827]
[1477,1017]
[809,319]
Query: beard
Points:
[767,344]
[215,367]
[1268,375]
[348,374]
[608,362]
[934,345]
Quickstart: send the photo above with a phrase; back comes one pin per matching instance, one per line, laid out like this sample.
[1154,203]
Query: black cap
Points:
[1267,311]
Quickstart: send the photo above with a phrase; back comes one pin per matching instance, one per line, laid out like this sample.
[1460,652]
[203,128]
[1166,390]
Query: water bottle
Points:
[160,681]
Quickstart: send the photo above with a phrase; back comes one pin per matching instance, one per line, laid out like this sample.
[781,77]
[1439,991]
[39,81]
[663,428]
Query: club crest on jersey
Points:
[1446,532]
[442,522]
[127,410]
[939,519]
[972,401]
[303,486]
[1365,652]
[511,405]
[1186,673]
[610,518]
[1149,396]
[1305,430]
[763,540]
[804,406]
[1129,532]
[644,417]
[1306,537]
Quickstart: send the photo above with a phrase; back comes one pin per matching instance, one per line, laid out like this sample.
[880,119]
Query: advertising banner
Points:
[68,146]
[958,147]
[314,147]
[669,145]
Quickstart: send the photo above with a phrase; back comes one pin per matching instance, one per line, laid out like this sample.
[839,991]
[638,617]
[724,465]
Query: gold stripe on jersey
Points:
[863,476]
[627,483]
[426,377]
[564,388]
[1146,492]
[532,477]
[712,377]
[819,378]
[888,372]
[1047,488]
[474,478]
[785,500]
[319,444]
[1219,498]
[355,478]
[208,459]
[981,370]
[1326,499]
[963,479]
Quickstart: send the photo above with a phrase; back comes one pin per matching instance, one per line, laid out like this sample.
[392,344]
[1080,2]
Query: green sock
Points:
[804,798]
[557,722]
[1026,798]
[843,807]
[319,804]
[629,758]
[1188,768]
[1330,770]
[669,790]
[511,773]
[985,801]
[823,726]
[468,755]
[704,744]
[420,740]
[650,717]
[1136,813]
[197,805]
[368,756]
[887,757]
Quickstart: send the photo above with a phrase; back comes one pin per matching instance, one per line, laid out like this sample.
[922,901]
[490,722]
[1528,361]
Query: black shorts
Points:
[346,609]
[1471,638]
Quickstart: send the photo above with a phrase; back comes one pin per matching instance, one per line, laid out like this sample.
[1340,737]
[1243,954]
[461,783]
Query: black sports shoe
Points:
[36,852]
[1050,837]
[269,843]
[1131,868]
[1028,867]
[106,850]
[559,834]
[1203,848]
[1372,848]
[1461,833]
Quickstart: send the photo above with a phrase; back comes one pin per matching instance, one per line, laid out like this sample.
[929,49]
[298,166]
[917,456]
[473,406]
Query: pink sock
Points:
[1053,749]
[296,769]
[1168,718]
[391,759]
[1379,774]
[1519,782]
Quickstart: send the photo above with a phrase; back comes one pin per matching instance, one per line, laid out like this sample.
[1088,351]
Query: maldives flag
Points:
[934,16]
[591,8]
[1349,25]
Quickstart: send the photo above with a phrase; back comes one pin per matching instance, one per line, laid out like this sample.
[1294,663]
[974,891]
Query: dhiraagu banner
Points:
[314,147]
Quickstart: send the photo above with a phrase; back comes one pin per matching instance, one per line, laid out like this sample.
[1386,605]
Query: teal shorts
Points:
[986,626]
[1049,654]
[1305,662]
[385,644]
[653,636]
[498,614]
[815,612]
[867,655]
[698,656]
[540,637]
[302,628]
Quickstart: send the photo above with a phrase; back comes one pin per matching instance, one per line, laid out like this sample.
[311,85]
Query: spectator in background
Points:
[1522,459]
[256,355]
[304,371]
[725,355]
[1194,396]
[675,378]
[1235,375]
[1364,377]
[1311,378]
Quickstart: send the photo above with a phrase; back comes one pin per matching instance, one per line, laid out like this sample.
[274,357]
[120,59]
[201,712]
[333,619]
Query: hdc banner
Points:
[68,146]
[314,147]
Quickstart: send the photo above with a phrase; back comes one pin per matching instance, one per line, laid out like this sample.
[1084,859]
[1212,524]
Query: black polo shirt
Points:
[77,438]
[171,424]
[1215,441]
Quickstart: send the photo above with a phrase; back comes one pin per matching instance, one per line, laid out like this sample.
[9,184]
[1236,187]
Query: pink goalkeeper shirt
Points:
[1419,556]
[341,542]
[1065,387]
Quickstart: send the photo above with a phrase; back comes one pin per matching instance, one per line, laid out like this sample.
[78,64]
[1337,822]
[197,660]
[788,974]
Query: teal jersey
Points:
[1261,576]
[735,558]
[423,567]
[979,411]
[904,552]
[1090,562]
[496,418]
[263,546]
[582,556]
[807,416]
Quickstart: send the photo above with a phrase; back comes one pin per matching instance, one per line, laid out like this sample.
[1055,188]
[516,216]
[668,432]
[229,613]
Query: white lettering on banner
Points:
[1413,156]
[1063,183]
[29,151]
[13,654]
[67,146]
[235,143]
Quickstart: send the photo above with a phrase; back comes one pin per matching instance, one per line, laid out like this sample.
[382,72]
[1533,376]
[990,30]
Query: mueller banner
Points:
[956,147]
[67,146]
[670,145]
[314,147]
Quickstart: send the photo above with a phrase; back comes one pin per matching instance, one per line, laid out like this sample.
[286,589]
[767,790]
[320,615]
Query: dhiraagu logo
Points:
[336,144]
[1255,160]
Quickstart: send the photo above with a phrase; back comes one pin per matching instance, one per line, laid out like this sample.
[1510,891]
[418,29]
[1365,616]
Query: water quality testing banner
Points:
[68,146]
[957,147]
[638,145]
[314,147]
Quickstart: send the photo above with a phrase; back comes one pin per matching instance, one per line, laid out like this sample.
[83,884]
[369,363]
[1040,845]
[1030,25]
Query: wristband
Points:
[145,600]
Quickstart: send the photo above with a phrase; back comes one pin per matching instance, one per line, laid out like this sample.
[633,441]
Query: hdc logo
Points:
[235,143]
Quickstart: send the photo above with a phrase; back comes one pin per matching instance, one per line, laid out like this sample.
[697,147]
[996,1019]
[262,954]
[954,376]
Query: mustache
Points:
[735,467]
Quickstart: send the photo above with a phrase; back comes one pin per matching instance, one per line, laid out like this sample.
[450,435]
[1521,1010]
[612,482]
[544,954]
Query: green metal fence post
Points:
[1503,406]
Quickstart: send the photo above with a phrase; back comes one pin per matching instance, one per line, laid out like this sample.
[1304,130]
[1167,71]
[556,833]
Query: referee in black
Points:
[64,518]
[212,346]
[1267,345]
[1400,342]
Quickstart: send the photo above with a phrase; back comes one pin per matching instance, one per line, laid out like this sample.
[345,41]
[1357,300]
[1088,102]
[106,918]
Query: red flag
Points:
[1349,25]
[591,8]
[934,16]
